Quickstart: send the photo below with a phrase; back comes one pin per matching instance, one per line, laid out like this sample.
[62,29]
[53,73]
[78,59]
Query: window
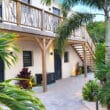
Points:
[56,20]
[27,58]
[56,11]
[26,1]
[66,57]
[25,8]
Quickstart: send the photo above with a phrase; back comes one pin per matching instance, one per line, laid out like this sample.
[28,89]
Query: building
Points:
[35,24]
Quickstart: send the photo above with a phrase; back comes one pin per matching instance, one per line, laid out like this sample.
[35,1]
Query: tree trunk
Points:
[107,35]
[108,107]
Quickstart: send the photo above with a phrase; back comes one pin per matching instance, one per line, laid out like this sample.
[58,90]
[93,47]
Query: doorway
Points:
[57,65]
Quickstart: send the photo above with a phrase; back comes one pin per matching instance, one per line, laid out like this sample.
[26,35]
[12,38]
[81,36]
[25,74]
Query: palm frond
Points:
[18,99]
[47,2]
[67,5]
[11,103]
[7,47]
[66,27]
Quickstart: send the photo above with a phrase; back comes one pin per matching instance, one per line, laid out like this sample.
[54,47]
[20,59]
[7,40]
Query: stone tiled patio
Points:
[65,94]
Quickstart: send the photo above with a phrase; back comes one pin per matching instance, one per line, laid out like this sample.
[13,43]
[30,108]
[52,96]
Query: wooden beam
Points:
[43,46]
[75,41]
[44,75]
[18,13]
[85,61]
[50,41]
[39,43]
[42,20]
[77,52]
[90,50]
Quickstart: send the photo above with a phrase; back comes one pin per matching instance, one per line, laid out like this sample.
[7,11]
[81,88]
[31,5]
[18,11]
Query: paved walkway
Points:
[65,94]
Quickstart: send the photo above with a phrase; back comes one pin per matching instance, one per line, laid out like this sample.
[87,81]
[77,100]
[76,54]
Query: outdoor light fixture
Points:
[51,53]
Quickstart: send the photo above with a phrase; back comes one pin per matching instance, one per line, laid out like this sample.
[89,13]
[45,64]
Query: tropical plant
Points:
[89,89]
[33,80]
[68,25]
[97,31]
[65,29]
[103,5]
[104,95]
[8,47]
[100,53]
[15,98]
[102,68]
[25,74]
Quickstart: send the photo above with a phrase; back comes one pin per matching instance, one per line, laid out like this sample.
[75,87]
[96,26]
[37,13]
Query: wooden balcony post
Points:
[44,74]
[42,20]
[18,12]
[44,45]
[85,61]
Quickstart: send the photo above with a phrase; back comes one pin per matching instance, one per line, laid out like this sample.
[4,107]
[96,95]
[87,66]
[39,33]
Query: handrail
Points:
[31,6]
[82,34]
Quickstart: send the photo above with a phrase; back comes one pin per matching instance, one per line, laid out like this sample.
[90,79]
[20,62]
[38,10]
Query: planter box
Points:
[50,78]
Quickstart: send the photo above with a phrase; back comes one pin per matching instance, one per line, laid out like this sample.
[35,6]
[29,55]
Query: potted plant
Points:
[26,75]
[89,89]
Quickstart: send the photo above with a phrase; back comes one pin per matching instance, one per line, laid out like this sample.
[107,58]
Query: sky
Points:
[82,8]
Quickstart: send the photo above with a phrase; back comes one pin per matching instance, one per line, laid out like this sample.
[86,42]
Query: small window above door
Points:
[56,11]
[26,1]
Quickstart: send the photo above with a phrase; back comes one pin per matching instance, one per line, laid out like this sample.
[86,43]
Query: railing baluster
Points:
[18,13]
[42,20]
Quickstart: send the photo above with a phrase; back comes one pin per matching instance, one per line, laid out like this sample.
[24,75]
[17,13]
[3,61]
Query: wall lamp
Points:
[51,53]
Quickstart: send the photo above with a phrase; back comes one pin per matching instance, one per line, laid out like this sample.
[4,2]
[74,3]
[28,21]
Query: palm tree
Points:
[103,5]
[65,29]
[69,24]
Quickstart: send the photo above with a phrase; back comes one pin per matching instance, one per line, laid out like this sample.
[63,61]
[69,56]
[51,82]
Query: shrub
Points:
[33,81]
[104,95]
[25,74]
[100,66]
[88,90]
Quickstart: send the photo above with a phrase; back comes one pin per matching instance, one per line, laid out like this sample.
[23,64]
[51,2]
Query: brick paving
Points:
[66,94]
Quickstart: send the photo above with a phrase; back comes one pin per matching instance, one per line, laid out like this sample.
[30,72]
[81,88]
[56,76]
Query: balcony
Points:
[20,16]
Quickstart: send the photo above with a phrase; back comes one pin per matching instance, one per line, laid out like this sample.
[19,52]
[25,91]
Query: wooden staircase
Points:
[84,47]
[81,50]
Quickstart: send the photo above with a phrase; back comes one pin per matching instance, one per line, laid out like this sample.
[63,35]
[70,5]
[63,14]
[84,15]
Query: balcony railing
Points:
[26,15]
[22,14]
